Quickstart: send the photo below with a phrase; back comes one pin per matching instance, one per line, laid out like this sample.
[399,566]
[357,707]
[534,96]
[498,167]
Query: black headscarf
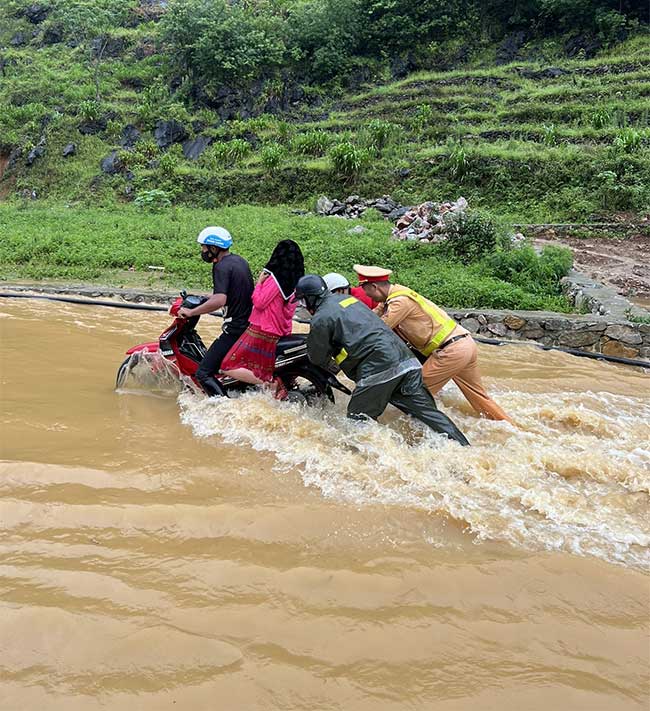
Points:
[287,266]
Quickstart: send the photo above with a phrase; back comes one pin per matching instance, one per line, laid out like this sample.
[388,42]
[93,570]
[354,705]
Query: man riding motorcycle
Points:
[232,290]
[369,353]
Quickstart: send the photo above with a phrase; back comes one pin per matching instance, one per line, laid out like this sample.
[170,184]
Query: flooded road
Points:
[176,553]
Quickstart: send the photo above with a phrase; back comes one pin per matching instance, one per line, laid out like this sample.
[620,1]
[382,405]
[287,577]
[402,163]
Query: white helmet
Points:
[216,237]
[336,281]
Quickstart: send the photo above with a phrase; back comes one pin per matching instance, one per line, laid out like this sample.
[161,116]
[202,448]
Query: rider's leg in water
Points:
[279,389]
[414,399]
[371,401]
[211,363]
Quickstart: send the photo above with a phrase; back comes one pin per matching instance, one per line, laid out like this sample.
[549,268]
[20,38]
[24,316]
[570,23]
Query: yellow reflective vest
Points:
[446,324]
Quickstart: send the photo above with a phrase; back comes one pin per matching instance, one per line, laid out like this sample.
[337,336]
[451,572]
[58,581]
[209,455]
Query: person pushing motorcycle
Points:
[368,352]
[232,291]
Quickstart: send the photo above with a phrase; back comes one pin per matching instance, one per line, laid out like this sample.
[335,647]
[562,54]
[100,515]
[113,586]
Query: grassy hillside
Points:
[117,247]
[533,141]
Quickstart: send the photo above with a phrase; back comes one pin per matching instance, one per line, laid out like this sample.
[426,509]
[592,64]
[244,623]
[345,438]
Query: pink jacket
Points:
[271,313]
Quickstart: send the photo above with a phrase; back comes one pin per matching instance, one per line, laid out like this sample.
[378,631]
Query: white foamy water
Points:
[574,475]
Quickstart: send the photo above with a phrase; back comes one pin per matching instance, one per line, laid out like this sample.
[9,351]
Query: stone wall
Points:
[586,294]
[599,334]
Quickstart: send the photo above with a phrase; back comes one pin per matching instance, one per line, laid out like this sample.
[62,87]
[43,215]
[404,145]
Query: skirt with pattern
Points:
[255,351]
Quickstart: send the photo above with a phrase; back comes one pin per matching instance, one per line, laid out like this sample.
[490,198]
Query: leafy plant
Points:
[273,155]
[549,134]
[154,200]
[422,117]
[601,117]
[170,160]
[378,134]
[458,159]
[89,110]
[313,143]
[228,153]
[628,140]
[349,160]
[616,194]
[471,235]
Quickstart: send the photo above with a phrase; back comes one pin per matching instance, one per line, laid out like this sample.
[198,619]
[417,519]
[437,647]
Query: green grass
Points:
[116,247]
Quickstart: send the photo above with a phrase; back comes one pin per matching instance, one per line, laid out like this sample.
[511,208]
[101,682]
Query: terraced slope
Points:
[530,141]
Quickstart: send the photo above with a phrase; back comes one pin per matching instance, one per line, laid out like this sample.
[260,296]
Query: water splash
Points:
[574,476]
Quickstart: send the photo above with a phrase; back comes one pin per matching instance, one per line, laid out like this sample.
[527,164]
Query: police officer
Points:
[369,353]
[449,349]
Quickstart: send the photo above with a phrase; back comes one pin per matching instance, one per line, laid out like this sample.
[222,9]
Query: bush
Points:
[218,43]
[377,134]
[227,153]
[349,160]
[471,235]
[616,194]
[152,200]
[170,161]
[313,143]
[524,268]
[273,155]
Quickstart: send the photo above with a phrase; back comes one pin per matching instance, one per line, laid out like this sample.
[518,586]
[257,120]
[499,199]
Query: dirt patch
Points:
[620,262]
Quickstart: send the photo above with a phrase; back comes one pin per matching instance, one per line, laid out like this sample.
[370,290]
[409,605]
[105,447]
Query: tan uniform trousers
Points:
[459,362]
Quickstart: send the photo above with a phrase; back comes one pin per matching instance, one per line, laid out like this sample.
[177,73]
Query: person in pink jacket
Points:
[252,358]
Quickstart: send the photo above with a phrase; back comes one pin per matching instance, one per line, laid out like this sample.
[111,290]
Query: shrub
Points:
[273,155]
[170,160]
[601,117]
[219,43]
[377,134]
[89,110]
[152,200]
[616,194]
[524,268]
[313,143]
[471,235]
[628,140]
[349,160]
[228,153]
[458,159]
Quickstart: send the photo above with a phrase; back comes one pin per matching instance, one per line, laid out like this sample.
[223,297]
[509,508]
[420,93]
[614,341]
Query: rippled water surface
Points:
[163,552]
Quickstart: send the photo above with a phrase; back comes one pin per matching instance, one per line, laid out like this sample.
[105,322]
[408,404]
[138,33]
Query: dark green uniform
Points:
[381,365]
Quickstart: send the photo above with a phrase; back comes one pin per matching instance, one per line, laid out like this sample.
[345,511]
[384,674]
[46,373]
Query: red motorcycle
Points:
[180,349]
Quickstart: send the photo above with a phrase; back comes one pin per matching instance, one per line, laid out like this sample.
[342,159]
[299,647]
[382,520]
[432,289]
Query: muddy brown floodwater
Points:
[166,552]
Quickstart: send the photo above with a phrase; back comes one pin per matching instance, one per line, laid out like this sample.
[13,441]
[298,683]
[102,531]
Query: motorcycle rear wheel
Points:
[304,383]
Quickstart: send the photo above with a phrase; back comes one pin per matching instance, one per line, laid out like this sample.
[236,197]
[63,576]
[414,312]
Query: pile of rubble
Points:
[428,222]
[424,223]
[354,207]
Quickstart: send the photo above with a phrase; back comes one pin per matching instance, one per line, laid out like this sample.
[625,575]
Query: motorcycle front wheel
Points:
[123,370]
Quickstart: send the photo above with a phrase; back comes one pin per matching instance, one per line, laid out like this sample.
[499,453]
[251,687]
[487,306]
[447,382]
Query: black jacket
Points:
[372,352]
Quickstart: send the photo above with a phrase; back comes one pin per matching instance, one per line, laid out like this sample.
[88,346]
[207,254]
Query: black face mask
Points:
[207,256]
